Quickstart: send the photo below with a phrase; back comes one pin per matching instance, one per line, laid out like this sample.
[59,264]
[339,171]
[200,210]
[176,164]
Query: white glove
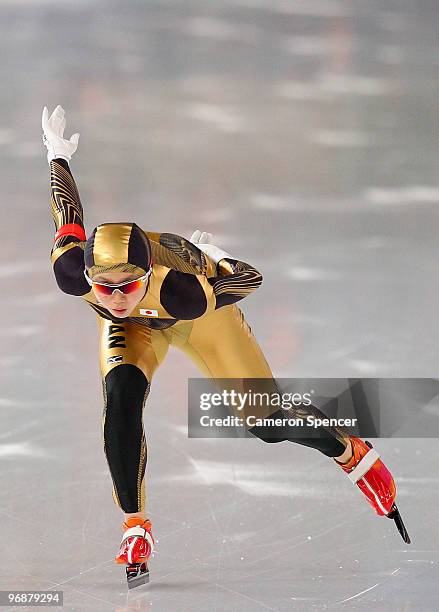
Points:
[202,241]
[53,131]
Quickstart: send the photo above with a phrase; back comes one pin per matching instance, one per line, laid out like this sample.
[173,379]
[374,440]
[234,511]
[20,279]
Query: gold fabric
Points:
[111,244]
[121,267]
[178,254]
[65,201]
[221,345]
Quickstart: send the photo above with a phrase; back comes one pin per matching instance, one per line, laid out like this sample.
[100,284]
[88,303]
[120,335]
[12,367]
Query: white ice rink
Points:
[303,135]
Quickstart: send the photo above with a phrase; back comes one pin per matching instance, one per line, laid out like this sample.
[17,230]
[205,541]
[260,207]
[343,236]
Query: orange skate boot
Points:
[135,549]
[368,472]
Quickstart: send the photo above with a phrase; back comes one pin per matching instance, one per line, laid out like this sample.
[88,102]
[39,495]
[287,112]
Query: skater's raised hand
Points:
[53,135]
[203,240]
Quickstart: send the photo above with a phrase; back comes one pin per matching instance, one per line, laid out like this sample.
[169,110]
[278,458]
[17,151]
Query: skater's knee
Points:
[125,384]
[265,436]
[126,388]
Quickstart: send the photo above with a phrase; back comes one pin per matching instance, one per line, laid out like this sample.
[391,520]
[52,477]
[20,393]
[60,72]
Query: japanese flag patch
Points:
[148,313]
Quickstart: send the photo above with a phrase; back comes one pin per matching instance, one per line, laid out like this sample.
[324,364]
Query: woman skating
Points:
[151,290]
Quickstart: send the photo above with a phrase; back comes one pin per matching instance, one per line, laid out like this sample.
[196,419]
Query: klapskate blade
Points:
[137,576]
[395,515]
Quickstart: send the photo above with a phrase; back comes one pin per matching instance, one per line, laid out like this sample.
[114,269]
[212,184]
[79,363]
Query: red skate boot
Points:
[135,549]
[368,472]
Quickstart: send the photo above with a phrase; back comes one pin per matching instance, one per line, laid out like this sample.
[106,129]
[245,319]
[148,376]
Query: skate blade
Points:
[137,575]
[395,515]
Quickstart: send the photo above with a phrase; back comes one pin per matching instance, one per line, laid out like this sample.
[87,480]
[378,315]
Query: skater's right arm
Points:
[68,248]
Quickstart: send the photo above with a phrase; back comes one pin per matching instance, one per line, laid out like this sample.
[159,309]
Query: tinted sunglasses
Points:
[127,287]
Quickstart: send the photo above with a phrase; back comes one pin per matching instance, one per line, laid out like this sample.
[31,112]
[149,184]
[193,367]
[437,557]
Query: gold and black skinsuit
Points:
[189,304]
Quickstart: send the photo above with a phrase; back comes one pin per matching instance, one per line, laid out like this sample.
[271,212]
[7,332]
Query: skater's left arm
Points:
[234,280]
[243,280]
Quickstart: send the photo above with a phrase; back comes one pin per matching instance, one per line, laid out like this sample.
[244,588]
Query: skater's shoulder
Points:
[176,253]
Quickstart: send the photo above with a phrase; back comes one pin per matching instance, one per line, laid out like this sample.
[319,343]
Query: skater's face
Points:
[119,304]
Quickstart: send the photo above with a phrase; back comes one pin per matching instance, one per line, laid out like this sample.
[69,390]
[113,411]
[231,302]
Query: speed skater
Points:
[150,290]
